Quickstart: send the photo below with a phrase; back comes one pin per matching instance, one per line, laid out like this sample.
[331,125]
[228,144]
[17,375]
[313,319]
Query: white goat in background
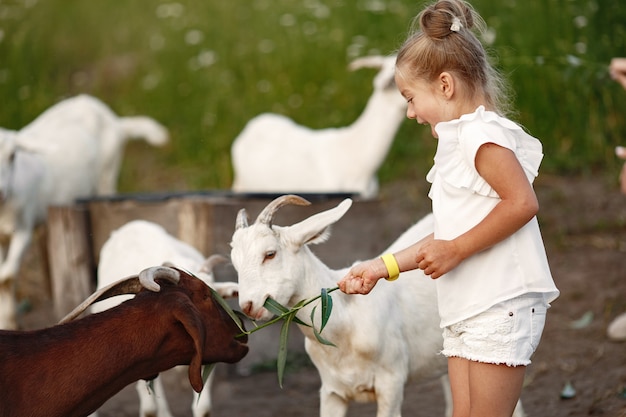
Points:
[134,247]
[382,340]
[343,159]
[70,151]
[111,131]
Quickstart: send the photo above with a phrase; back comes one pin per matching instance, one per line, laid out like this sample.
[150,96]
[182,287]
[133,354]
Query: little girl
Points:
[493,280]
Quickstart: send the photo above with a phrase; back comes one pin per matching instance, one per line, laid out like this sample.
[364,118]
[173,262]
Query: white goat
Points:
[382,340]
[111,131]
[70,151]
[135,246]
[342,159]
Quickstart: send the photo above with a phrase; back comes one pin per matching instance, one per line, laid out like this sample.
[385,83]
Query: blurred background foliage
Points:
[204,68]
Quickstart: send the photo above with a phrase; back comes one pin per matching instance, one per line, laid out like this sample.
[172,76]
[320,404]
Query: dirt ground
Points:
[584,225]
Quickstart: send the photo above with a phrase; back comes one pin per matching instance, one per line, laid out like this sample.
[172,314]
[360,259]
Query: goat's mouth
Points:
[242,339]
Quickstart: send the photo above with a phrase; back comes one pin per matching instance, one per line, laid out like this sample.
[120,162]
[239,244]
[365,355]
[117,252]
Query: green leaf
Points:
[229,310]
[281,360]
[275,307]
[280,310]
[317,334]
[327,308]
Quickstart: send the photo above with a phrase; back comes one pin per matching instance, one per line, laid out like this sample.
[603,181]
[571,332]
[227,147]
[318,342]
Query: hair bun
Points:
[444,17]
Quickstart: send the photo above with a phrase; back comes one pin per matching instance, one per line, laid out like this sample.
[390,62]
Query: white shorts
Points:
[507,333]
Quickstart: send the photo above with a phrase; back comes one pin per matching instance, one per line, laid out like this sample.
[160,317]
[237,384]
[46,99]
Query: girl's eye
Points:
[410,100]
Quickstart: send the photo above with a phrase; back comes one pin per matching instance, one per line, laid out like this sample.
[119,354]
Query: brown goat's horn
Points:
[129,285]
[147,276]
[268,212]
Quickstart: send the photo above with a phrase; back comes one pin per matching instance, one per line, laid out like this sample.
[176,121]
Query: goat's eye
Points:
[269,255]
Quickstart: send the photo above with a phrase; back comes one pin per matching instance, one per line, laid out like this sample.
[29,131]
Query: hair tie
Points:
[456,24]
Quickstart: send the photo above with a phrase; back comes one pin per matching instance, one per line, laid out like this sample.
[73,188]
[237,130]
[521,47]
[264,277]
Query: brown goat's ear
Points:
[189,316]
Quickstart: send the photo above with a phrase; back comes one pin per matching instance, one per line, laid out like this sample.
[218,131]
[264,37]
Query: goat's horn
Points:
[129,285]
[211,262]
[268,212]
[242,219]
[147,276]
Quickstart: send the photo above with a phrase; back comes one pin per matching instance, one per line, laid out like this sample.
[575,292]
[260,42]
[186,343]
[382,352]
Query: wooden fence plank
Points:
[69,253]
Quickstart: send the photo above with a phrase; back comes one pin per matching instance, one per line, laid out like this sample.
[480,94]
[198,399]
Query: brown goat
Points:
[71,369]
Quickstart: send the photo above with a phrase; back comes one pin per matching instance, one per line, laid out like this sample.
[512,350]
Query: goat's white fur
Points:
[343,159]
[133,247]
[382,340]
[72,150]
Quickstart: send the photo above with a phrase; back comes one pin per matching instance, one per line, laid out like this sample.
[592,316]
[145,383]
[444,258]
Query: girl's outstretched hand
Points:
[362,277]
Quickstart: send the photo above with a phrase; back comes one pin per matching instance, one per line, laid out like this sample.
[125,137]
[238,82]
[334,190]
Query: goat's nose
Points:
[247,308]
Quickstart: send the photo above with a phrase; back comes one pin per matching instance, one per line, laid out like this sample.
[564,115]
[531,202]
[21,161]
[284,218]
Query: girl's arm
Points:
[363,276]
[501,169]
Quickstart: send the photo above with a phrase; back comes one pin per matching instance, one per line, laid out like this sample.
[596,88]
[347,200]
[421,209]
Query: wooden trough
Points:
[206,220]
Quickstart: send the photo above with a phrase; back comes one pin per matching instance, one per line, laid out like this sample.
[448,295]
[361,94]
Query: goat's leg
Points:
[519,411]
[20,240]
[152,403]
[389,401]
[7,305]
[201,407]
[447,393]
[332,405]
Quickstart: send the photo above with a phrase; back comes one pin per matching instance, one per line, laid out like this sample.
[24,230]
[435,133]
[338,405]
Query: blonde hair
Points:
[443,39]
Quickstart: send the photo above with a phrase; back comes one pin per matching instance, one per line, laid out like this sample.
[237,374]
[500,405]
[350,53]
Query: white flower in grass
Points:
[574,61]
[150,81]
[295,101]
[263,86]
[489,36]
[204,59]
[266,46]
[580,21]
[194,37]
[376,6]
[163,11]
[287,20]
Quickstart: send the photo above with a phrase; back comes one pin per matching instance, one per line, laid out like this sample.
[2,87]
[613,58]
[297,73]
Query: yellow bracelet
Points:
[392,266]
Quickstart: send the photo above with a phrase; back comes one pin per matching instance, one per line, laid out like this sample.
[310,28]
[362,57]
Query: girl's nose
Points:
[410,113]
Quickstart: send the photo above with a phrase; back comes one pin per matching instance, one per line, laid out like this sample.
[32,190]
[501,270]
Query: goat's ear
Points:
[316,229]
[189,316]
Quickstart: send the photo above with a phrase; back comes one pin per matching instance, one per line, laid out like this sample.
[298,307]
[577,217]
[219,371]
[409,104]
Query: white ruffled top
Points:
[462,198]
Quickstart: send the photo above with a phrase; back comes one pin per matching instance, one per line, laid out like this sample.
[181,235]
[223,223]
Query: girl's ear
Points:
[446,85]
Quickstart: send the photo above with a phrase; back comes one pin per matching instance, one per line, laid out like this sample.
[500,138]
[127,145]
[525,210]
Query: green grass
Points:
[203,68]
